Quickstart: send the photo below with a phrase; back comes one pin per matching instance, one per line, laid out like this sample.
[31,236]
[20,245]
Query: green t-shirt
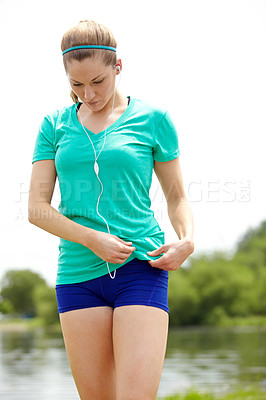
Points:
[142,134]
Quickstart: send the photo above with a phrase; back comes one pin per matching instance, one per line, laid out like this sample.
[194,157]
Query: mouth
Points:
[92,103]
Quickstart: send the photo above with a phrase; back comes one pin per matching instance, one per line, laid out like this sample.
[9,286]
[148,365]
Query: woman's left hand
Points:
[174,255]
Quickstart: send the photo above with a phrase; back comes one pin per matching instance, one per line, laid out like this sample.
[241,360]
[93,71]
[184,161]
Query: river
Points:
[33,364]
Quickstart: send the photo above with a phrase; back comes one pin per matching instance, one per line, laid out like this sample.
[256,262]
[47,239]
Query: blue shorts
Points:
[136,282]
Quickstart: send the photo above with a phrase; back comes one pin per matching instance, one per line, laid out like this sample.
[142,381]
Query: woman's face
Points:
[92,81]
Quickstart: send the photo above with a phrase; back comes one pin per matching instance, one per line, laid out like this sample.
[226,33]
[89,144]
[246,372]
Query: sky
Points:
[204,61]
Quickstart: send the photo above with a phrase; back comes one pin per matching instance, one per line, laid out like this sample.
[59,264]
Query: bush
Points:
[222,284]
[183,299]
[17,289]
[6,307]
[46,305]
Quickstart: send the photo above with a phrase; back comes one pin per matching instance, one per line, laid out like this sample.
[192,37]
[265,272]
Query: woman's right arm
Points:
[42,214]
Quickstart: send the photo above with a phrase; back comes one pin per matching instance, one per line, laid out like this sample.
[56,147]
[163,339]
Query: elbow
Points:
[191,245]
[31,207]
[38,211]
[31,213]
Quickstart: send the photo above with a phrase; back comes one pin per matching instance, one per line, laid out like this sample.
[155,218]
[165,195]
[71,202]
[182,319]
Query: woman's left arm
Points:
[180,214]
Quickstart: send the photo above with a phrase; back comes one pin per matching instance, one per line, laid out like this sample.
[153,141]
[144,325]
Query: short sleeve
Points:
[44,145]
[166,140]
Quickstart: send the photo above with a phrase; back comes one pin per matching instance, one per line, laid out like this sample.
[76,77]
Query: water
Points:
[34,365]
[214,359]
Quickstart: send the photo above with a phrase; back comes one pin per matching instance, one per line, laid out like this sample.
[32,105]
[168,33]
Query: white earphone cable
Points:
[96,166]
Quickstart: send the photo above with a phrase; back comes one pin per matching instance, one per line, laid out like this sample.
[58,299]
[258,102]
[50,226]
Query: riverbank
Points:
[253,320]
[253,393]
[207,358]
[20,324]
[26,324]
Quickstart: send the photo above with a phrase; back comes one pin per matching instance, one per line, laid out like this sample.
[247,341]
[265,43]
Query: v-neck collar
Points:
[110,128]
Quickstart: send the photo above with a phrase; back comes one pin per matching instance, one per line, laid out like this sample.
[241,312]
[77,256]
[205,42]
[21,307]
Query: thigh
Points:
[88,340]
[139,338]
[141,284]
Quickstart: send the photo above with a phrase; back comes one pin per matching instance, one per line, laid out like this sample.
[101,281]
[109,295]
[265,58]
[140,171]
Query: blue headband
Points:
[93,46]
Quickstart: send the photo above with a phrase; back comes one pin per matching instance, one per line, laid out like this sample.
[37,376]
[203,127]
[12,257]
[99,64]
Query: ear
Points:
[118,66]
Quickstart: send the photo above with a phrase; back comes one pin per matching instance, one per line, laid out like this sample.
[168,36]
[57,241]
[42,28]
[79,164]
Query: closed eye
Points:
[80,84]
[99,81]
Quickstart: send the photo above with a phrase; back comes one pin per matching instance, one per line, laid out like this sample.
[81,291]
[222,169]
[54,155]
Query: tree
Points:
[251,247]
[224,287]
[46,305]
[183,299]
[17,288]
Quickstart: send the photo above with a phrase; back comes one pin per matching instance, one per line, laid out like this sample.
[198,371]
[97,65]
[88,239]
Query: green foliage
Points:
[260,287]
[17,289]
[221,283]
[183,299]
[25,293]
[46,305]
[251,248]
[6,307]
[217,288]
[191,396]
[241,394]
[217,316]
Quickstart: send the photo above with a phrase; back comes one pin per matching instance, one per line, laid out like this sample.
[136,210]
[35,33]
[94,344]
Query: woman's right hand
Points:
[111,248]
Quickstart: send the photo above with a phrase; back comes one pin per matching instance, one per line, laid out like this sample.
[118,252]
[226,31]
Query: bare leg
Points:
[88,341]
[140,338]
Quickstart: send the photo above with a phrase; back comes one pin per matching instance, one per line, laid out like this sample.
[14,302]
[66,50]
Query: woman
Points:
[111,286]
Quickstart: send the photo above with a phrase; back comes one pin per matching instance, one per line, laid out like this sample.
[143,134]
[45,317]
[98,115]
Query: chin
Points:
[98,106]
[94,107]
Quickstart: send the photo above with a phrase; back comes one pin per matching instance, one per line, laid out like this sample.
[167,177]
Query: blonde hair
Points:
[88,32]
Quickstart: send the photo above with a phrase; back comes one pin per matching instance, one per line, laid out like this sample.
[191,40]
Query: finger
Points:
[156,252]
[126,243]
[158,266]
[159,263]
[128,250]
[121,260]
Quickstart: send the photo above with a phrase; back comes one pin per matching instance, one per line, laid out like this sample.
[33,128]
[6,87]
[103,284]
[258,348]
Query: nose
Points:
[88,93]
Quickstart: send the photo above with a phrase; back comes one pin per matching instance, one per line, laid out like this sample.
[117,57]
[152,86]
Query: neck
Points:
[115,101]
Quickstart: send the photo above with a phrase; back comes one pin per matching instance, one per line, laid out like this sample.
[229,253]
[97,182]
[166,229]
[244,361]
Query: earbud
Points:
[118,68]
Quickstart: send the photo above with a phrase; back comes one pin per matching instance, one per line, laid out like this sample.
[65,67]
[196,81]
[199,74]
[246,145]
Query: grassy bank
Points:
[255,320]
[25,324]
[241,394]
[31,323]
